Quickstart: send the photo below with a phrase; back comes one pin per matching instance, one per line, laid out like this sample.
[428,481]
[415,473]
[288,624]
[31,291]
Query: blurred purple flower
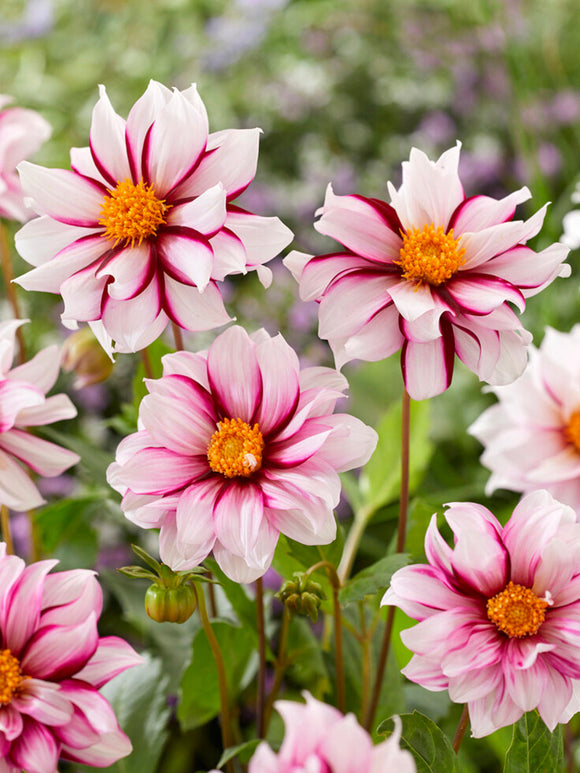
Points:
[36,21]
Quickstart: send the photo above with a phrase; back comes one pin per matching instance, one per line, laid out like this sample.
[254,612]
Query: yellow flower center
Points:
[516,611]
[430,255]
[235,449]
[131,213]
[572,431]
[10,676]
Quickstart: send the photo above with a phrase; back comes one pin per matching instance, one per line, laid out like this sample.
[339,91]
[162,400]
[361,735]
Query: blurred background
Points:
[342,90]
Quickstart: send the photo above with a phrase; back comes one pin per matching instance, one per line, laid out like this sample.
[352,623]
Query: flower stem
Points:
[8,276]
[6,535]
[226,724]
[279,668]
[177,336]
[401,533]
[260,700]
[361,519]
[461,728]
[146,360]
[365,642]
[337,616]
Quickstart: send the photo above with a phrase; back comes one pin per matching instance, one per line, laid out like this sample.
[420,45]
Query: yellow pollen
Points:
[235,449]
[430,255]
[572,431]
[517,611]
[10,676]
[132,213]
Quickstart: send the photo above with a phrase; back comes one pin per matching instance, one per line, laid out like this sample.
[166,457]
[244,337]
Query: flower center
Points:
[10,676]
[131,213]
[235,449]
[430,255]
[572,431]
[517,611]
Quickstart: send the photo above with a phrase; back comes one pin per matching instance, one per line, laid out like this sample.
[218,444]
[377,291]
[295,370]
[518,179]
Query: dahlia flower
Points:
[499,613]
[433,273]
[23,404]
[236,446]
[22,132]
[319,738]
[52,663]
[142,229]
[532,435]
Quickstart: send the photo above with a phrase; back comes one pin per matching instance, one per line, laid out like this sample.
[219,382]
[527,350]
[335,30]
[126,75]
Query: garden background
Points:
[342,91]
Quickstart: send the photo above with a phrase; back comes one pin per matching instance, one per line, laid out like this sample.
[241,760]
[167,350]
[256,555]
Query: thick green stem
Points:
[226,725]
[401,533]
[261,696]
[337,616]
[6,535]
[461,728]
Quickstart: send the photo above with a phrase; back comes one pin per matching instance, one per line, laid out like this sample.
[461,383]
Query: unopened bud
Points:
[171,605]
[302,596]
[83,354]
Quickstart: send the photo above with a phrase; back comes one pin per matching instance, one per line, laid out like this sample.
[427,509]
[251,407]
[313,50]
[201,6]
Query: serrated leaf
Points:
[372,579]
[534,749]
[139,699]
[380,478]
[243,750]
[200,700]
[427,743]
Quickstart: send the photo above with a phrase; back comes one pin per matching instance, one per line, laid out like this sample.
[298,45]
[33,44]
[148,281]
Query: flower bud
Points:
[171,605]
[302,596]
[83,354]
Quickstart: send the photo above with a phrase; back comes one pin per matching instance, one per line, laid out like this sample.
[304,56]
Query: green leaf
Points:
[244,751]
[380,478]
[200,700]
[139,699]
[427,743]
[242,604]
[534,749]
[372,579]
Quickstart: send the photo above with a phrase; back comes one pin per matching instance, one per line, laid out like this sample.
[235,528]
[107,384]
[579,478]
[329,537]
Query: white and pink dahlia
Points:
[433,273]
[52,664]
[24,404]
[532,435]
[143,228]
[237,445]
[319,739]
[22,132]
[499,613]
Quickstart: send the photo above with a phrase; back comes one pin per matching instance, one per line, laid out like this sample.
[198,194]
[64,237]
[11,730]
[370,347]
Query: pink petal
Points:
[11,723]
[229,255]
[7,339]
[186,256]
[134,323]
[140,118]
[70,597]
[55,408]
[168,159]
[21,612]
[16,396]
[279,369]
[555,698]
[44,702]
[249,567]
[300,446]
[107,141]
[315,274]
[63,195]
[112,656]
[42,456]
[42,370]
[428,368]
[235,381]
[35,750]
[195,518]
[194,366]
[478,348]
[40,239]
[231,159]
[127,271]
[157,471]
[58,651]
[238,513]
[306,519]
[479,212]
[528,270]
[263,237]
[351,444]
[357,223]
[206,213]
[194,310]
[82,294]
[17,491]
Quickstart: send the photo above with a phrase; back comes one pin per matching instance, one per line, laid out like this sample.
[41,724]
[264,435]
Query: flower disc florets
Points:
[498,612]
[433,273]
[131,213]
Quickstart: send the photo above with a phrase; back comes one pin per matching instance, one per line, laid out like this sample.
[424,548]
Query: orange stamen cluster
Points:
[235,450]
[10,676]
[132,213]
[430,255]
[516,611]
[572,431]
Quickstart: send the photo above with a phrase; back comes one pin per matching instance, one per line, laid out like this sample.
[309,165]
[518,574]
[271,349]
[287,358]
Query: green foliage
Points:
[534,749]
[372,579]
[243,750]
[200,700]
[427,743]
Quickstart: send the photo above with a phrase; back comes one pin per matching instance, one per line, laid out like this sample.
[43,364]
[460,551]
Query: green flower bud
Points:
[302,596]
[171,605]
